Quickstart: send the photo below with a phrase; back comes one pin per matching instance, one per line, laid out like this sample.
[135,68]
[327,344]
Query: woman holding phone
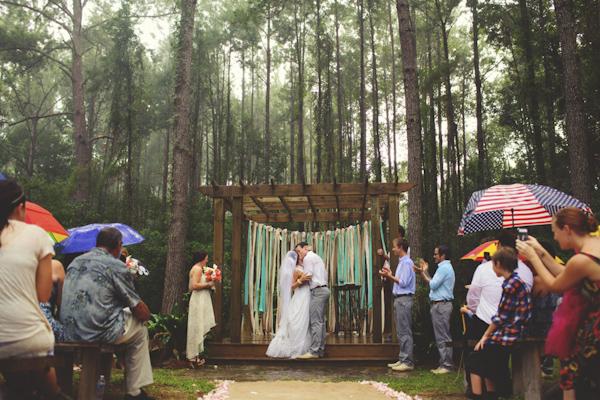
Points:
[580,276]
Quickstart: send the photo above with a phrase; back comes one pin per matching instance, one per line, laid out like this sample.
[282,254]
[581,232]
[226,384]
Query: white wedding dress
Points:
[293,337]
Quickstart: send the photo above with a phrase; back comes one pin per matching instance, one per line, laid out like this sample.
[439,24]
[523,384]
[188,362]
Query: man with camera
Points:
[441,295]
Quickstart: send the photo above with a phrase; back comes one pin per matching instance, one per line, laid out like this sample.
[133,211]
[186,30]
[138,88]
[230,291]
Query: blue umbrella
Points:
[83,238]
[2,176]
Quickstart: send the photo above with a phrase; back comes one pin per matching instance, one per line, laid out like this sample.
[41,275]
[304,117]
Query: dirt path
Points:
[300,390]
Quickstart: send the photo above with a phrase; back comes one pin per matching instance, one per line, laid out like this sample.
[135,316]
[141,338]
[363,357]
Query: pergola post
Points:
[394,210]
[218,240]
[376,244]
[237,233]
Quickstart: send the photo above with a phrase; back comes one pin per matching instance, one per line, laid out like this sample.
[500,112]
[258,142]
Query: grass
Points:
[168,384]
[425,383]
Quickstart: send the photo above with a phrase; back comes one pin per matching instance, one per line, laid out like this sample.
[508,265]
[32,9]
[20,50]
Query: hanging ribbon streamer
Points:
[346,253]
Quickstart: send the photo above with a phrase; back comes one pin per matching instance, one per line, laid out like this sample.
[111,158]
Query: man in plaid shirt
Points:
[489,361]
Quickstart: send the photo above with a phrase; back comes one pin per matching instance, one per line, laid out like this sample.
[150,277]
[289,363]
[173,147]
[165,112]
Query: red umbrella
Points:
[40,216]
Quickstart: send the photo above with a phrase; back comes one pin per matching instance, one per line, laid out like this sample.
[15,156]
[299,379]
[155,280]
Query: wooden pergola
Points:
[324,202]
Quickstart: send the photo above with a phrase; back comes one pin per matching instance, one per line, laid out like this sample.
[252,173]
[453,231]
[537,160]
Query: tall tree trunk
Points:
[451,124]
[268,101]
[83,150]
[394,113]
[413,126]
[478,98]
[375,97]
[166,164]
[299,32]
[549,100]
[175,282]
[292,125]
[319,111]
[340,116]
[575,119]
[363,96]
[532,92]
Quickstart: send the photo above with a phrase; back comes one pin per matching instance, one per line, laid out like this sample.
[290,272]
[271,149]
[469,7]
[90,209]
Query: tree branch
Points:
[40,117]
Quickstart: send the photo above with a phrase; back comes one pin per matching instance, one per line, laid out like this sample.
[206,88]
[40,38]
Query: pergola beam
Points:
[324,216]
[300,190]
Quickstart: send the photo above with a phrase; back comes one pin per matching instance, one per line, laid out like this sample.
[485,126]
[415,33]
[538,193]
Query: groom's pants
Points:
[319,297]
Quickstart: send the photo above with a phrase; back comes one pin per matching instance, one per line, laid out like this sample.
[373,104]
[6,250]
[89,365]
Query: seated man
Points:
[100,303]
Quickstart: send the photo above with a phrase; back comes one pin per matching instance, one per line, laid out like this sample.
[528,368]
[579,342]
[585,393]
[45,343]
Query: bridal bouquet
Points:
[135,267]
[212,273]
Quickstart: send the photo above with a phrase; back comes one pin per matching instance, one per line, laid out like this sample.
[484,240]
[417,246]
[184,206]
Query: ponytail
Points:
[11,196]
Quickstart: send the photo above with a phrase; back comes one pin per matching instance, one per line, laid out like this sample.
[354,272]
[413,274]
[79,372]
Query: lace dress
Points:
[293,337]
[201,318]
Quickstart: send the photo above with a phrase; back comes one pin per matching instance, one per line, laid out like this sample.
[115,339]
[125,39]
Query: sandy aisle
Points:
[300,390]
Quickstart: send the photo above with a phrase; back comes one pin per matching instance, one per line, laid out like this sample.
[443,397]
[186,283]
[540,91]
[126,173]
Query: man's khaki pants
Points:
[137,357]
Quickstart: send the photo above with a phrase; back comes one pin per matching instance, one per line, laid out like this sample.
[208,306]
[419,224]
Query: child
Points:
[489,361]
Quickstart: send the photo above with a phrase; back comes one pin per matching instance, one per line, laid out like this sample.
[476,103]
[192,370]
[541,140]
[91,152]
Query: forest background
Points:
[455,96]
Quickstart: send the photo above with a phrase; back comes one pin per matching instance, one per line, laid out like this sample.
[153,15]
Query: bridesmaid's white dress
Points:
[201,319]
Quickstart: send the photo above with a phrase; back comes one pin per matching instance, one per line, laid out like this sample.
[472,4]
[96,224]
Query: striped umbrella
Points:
[506,206]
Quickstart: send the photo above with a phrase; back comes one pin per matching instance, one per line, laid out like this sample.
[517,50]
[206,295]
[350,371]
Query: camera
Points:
[522,234]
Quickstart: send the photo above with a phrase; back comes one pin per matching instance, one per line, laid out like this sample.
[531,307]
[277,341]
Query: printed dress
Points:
[201,318]
[587,339]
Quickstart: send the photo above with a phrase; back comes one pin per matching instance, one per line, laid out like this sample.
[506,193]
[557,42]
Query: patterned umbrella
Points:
[83,238]
[40,216]
[506,206]
[478,253]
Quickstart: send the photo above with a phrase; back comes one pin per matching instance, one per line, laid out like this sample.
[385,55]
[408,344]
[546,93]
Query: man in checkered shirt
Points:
[489,361]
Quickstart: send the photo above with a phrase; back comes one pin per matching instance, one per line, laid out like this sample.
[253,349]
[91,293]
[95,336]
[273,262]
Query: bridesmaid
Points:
[201,317]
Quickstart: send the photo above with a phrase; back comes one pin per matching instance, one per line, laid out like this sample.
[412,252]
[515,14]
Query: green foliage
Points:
[168,335]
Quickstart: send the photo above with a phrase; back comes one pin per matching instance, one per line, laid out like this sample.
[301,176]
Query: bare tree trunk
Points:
[292,125]
[363,96]
[394,113]
[340,154]
[167,152]
[83,150]
[175,282]
[413,126]
[267,102]
[478,98]
[375,97]
[532,92]
[575,119]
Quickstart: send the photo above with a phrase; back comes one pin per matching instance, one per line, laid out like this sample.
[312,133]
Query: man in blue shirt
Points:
[441,295]
[403,291]
[100,303]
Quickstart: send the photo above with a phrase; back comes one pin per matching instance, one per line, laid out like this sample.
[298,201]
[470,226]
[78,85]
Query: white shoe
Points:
[403,368]
[396,364]
[441,371]
[307,356]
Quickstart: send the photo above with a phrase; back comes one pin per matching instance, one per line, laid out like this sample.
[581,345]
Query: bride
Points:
[293,337]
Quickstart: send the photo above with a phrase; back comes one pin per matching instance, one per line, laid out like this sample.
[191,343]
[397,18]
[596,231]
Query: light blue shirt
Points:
[442,284]
[406,277]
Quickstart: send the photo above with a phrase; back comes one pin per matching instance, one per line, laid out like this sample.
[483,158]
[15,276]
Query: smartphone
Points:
[486,256]
[522,234]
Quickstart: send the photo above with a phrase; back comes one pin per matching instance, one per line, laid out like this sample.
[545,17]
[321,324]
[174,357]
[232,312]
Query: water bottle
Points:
[100,388]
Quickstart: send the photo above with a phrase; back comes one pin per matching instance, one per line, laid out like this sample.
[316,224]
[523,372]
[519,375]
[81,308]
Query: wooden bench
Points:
[27,364]
[526,367]
[96,359]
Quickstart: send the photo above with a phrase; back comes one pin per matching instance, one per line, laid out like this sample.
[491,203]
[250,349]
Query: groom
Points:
[314,267]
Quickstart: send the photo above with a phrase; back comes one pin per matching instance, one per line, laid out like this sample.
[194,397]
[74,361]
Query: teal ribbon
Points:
[246,278]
